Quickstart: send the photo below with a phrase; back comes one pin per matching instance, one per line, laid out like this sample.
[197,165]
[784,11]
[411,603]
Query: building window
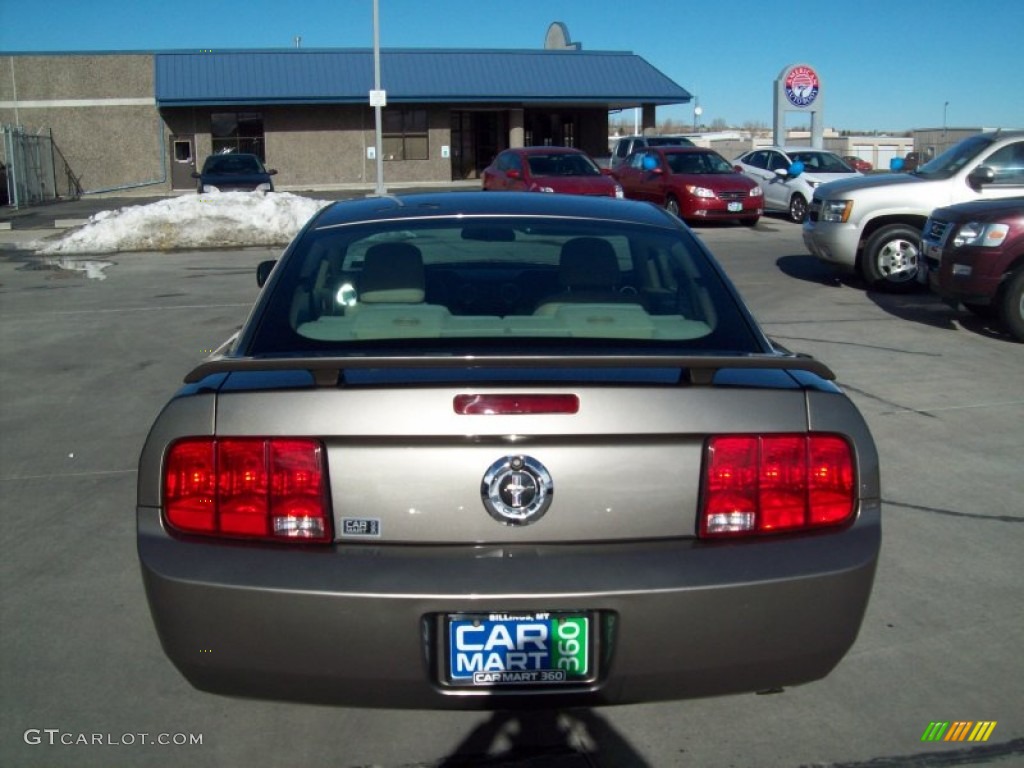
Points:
[404,134]
[237,132]
[182,151]
[569,134]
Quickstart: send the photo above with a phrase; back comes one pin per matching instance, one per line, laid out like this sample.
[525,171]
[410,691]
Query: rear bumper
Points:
[361,625]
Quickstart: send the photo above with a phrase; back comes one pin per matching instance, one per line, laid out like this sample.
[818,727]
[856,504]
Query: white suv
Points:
[873,225]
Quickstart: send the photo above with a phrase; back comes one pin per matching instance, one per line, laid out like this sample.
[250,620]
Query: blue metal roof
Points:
[307,76]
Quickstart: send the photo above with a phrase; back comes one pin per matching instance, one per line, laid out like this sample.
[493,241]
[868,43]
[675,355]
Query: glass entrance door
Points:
[476,138]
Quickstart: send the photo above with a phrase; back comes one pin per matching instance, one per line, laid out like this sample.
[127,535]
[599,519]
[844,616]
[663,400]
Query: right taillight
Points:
[274,489]
[760,484]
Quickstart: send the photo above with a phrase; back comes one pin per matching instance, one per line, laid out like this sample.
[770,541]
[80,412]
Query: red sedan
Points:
[858,164]
[694,183]
[549,169]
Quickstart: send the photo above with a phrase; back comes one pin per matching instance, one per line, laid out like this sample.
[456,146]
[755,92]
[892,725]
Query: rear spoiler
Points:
[327,371]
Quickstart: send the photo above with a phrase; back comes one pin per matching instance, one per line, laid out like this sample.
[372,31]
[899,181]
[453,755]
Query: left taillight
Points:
[762,484]
[273,489]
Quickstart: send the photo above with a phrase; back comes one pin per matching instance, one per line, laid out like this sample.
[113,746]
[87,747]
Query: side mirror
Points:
[796,169]
[271,172]
[982,175]
[896,164]
[650,164]
[263,270]
[195,174]
[512,173]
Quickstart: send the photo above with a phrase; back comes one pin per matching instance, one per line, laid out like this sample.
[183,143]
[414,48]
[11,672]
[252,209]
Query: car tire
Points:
[1011,305]
[891,258]
[797,209]
[672,206]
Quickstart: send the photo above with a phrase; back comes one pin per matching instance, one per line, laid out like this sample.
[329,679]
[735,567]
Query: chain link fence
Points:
[34,170]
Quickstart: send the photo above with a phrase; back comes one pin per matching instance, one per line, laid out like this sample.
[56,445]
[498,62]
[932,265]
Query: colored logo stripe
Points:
[959,730]
[982,731]
[569,650]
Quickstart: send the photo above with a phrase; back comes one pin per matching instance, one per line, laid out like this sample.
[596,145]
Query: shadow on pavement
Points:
[917,305]
[928,309]
[811,269]
[547,739]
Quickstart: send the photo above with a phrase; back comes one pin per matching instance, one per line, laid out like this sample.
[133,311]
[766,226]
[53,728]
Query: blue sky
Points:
[886,66]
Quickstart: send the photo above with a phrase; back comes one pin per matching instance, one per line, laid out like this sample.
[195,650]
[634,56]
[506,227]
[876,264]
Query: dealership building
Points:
[121,121]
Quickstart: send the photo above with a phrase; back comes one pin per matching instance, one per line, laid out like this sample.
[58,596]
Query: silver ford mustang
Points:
[504,450]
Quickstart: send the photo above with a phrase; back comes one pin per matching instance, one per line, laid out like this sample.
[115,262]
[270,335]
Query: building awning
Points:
[307,76]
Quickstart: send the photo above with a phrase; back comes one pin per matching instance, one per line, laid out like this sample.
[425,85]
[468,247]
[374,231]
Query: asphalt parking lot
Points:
[88,362]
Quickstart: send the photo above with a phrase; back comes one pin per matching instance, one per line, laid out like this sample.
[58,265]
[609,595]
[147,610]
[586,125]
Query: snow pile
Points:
[222,220]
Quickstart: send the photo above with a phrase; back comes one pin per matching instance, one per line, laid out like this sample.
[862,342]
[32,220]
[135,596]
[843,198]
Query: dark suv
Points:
[974,253]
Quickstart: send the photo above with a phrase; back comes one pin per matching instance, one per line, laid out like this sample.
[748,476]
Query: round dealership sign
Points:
[802,86]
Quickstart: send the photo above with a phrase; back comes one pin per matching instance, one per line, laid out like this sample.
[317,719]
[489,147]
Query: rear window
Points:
[668,141]
[228,164]
[492,285]
[821,162]
[568,164]
[698,162]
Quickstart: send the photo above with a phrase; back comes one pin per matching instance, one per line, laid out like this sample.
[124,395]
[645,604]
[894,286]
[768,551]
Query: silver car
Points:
[789,175]
[496,451]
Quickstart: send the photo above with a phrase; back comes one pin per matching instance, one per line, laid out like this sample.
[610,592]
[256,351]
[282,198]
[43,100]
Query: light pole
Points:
[377,99]
[944,108]
[697,112]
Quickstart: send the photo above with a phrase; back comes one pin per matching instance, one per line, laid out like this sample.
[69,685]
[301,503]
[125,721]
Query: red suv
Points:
[975,256]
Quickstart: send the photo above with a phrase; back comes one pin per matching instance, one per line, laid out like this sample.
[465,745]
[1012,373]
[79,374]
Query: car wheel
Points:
[797,209]
[672,205]
[891,257]
[1011,305]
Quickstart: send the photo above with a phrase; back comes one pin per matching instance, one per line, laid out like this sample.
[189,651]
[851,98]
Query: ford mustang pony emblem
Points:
[517,490]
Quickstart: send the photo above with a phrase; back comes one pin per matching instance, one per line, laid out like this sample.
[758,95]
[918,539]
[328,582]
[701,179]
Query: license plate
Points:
[507,649]
[735,207]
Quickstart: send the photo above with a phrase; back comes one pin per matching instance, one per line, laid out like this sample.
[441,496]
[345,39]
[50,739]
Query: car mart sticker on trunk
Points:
[519,649]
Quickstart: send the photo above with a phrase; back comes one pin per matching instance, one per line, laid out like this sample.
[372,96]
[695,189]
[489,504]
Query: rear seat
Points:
[391,293]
